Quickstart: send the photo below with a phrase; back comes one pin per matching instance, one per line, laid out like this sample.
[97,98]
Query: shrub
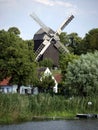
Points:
[82,75]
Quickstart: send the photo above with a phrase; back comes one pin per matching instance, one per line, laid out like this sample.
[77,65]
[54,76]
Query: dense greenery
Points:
[81,77]
[16,58]
[79,45]
[64,60]
[90,41]
[14,30]
[72,41]
[45,84]
[46,63]
[17,108]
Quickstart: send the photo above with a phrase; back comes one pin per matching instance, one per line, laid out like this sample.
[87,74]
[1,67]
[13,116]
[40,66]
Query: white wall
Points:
[47,73]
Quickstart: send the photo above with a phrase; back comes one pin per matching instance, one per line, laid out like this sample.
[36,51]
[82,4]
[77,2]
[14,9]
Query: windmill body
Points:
[51,52]
[47,43]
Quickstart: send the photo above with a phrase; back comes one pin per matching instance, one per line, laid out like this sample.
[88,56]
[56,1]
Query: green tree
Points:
[46,84]
[14,30]
[64,38]
[64,61]
[82,75]
[16,59]
[90,41]
[46,63]
[74,43]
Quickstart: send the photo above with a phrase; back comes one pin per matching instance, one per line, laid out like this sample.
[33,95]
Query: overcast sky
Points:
[16,13]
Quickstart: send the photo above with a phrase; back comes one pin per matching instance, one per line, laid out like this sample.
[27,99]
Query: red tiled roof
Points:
[4,82]
[58,77]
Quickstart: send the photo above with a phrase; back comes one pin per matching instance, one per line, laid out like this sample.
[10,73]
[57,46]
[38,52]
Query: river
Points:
[54,125]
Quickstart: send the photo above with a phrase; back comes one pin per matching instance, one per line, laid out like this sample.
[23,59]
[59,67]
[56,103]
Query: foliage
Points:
[65,59]
[64,38]
[74,43]
[72,40]
[46,84]
[14,30]
[16,59]
[82,75]
[90,41]
[46,63]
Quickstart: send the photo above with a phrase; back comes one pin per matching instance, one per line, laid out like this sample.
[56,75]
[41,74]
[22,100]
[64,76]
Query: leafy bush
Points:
[82,75]
[46,63]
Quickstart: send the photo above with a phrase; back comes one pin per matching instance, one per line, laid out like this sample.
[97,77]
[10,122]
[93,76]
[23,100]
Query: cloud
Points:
[45,2]
[54,2]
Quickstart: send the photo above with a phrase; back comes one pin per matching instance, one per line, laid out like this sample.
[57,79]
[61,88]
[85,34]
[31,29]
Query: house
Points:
[5,87]
[46,72]
[25,89]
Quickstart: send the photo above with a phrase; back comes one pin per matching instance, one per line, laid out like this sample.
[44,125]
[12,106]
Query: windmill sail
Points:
[36,18]
[53,37]
[64,24]
[42,48]
[61,47]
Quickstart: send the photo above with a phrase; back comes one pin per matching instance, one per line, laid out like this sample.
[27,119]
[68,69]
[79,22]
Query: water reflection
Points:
[55,125]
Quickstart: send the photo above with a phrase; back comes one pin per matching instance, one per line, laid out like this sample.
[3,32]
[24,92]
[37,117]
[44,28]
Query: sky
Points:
[16,13]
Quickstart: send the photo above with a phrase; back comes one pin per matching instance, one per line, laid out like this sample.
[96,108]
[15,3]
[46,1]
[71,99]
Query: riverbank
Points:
[15,108]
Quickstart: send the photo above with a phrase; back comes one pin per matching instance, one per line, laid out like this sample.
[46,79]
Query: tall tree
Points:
[16,59]
[90,41]
[14,30]
[74,43]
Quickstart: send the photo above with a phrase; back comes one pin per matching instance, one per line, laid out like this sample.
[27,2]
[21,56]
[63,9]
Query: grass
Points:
[18,108]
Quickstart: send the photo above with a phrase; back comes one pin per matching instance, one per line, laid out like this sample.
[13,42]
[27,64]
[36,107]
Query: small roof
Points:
[58,77]
[39,35]
[5,82]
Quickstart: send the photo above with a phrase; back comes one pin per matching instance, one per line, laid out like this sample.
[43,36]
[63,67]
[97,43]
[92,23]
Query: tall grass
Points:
[15,107]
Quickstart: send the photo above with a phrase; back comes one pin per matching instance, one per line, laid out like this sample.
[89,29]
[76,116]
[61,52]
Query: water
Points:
[54,125]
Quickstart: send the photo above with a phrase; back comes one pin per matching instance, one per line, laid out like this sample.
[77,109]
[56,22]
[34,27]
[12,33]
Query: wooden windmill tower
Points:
[46,41]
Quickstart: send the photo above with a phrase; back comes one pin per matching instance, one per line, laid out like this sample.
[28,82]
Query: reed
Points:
[17,108]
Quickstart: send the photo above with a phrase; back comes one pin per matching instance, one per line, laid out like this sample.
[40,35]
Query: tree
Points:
[64,61]
[14,30]
[82,75]
[46,63]
[90,41]
[46,84]
[74,43]
[16,59]
[64,38]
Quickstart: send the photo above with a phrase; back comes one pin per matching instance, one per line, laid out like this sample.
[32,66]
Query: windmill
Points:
[48,43]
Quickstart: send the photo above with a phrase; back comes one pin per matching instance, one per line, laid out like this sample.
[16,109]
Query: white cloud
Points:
[69,7]
[54,2]
[45,2]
